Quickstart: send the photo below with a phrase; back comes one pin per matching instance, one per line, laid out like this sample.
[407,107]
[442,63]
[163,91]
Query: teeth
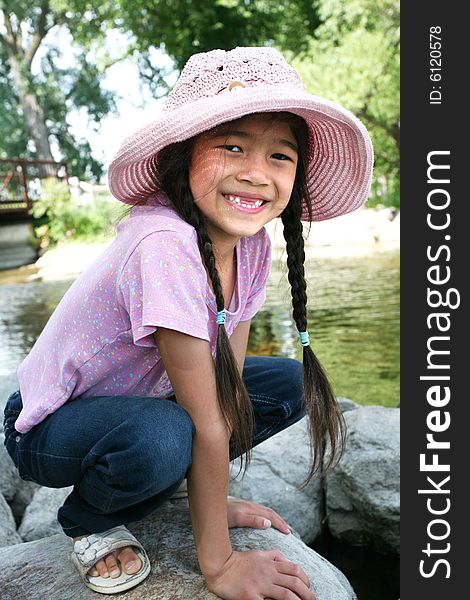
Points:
[236,200]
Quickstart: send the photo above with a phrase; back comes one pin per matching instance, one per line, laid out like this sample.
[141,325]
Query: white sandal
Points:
[89,550]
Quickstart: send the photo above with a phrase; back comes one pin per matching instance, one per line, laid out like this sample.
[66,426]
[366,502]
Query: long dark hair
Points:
[326,422]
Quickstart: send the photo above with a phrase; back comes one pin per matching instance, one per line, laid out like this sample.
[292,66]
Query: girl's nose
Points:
[253,172]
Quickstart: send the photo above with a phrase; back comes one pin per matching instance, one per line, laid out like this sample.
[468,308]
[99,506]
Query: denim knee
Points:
[170,455]
[291,383]
[158,448]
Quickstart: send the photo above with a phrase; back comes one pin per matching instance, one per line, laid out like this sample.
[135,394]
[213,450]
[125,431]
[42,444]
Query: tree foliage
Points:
[34,84]
[183,27]
[354,61]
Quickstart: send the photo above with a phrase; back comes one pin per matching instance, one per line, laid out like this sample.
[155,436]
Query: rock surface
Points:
[42,569]
[8,534]
[362,507]
[40,517]
[9,478]
[277,470]
[17,493]
[363,491]
[346,404]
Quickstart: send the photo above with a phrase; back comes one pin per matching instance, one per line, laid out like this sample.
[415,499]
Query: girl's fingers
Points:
[257,522]
[275,555]
[277,521]
[249,514]
[291,588]
[290,569]
[277,592]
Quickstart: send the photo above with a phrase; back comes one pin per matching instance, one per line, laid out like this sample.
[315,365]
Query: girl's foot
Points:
[109,566]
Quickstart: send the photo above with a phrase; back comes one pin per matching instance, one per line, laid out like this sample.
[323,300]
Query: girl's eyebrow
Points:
[245,134]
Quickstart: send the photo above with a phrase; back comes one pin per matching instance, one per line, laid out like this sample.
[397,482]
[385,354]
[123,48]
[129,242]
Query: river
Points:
[353,322]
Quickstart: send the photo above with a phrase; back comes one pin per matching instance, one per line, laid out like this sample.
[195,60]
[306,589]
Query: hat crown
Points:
[211,73]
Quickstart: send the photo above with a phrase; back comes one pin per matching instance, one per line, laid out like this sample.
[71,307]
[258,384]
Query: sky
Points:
[136,107]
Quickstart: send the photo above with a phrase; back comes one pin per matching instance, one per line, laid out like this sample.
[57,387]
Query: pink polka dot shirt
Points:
[99,341]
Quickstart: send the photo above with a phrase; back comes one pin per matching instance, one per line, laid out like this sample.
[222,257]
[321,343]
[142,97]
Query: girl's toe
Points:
[102,568]
[129,560]
[112,565]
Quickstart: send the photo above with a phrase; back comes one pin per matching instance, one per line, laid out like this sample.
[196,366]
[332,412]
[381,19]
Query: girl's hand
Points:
[260,574]
[242,513]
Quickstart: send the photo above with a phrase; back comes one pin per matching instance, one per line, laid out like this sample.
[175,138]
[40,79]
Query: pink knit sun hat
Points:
[219,86]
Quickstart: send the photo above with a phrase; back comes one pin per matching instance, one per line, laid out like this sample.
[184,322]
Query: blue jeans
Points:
[126,455]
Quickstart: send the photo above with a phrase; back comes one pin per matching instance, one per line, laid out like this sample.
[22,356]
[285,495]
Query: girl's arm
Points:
[190,367]
[231,575]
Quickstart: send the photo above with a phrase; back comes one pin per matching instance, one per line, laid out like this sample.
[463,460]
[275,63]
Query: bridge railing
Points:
[20,184]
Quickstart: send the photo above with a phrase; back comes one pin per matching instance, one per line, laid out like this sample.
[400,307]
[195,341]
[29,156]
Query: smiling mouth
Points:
[244,202]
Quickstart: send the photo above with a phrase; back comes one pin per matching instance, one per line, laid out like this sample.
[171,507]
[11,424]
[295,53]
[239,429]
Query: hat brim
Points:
[340,159]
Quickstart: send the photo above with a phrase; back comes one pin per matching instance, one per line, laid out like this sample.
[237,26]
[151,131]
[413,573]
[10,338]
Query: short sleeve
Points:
[163,284]
[262,268]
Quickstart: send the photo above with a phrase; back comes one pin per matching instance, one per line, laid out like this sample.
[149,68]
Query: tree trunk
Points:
[35,119]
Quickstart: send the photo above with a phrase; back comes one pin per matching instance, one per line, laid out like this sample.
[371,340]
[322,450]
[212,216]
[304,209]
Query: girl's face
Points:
[242,174]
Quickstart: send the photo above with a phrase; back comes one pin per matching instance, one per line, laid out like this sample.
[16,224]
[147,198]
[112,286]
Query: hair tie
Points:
[303,335]
[221,315]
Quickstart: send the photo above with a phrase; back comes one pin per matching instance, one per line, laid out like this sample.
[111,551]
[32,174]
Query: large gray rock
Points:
[18,493]
[363,490]
[8,534]
[277,469]
[40,518]
[44,566]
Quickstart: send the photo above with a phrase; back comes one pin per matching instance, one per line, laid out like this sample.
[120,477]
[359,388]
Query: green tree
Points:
[354,60]
[39,101]
[183,27]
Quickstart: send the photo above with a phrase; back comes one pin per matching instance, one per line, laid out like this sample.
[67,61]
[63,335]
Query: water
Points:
[353,323]
[353,317]
[373,576]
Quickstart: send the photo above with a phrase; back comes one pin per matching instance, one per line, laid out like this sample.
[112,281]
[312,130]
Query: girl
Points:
[139,379]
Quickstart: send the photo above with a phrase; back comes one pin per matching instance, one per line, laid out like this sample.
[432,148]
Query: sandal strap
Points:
[89,550]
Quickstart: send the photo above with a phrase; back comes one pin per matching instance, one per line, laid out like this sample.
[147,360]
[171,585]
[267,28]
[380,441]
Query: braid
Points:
[232,394]
[324,416]
[295,264]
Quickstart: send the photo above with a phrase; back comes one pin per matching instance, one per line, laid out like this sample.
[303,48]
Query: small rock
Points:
[40,517]
[346,404]
[8,534]
[18,493]
[9,477]
[22,498]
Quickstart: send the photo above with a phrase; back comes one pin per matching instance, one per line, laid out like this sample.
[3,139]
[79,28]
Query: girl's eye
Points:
[279,156]
[232,148]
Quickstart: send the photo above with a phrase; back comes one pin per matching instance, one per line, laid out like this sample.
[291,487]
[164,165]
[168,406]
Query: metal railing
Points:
[20,183]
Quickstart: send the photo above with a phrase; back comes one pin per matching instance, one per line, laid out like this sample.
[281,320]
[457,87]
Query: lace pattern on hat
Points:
[219,69]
